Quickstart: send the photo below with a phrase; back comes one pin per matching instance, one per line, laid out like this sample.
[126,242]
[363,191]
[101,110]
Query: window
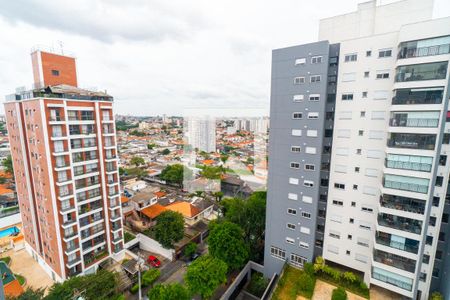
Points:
[298,98]
[347,96]
[316,59]
[353,204]
[314,97]
[296,149]
[339,186]
[347,252]
[366,74]
[290,226]
[307,199]
[299,80]
[357,169]
[315,78]
[347,77]
[333,61]
[358,151]
[308,183]
[360,132]
[311,133]
[364,94]
[311,150]
[292,196]
[367,209]
[305,230]
[368,53]
[385,53]
[313,115]
[298,260]
[351,57]
[277,252]
[338,202]
[362,114]
[300,61]
[291,211]
[309,167]
[334,234]
[295,165]
[382,74]
[351,220]
[306,215]
[290,240]
[55,72]
[303,245]
[296,132]
[297,115]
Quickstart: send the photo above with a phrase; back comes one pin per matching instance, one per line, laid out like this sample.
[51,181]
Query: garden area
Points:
[295,282]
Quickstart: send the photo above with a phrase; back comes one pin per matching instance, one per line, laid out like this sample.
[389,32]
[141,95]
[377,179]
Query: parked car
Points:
[192,258]
[153,261]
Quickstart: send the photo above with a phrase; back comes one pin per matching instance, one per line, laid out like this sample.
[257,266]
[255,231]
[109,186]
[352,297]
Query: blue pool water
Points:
[8,231]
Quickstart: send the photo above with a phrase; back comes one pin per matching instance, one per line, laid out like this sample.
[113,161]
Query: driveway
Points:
[22,263]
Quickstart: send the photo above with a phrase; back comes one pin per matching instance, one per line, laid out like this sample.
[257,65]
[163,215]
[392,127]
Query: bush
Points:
[20,278]
[150,276]
[305,284]
[6,259]
[309,269]
[436,296]
[128,237]
[339,294]
[135,288]
[257,285]
[190,249]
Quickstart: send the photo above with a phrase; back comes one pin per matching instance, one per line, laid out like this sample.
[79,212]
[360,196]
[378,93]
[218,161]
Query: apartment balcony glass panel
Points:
[426,47]
[427,71]
[414,119]
[403,203]
[394,260]
[409,162]
[412,141]
[397,242]
[400,223]
[392,278]
[406,183]
[418,96]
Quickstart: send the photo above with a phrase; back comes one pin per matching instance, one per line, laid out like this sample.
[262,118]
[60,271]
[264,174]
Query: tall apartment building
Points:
[201,133]
[387,211]
[63,147]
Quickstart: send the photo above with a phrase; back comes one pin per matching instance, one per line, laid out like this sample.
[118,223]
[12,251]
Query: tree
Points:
[169,228]
[218,196]
[165,152]
[137,133]
[250,215]
[211,172]
[150,276]
[137,161]
[101,285]
[8,165]
[190,249]
[339,294]
[226,242]
[121,171]
[29,294]
[175,174]
[205,274]
[169,292]
[151,146]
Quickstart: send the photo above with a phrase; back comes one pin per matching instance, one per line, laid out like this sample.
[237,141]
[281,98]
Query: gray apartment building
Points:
[302,112]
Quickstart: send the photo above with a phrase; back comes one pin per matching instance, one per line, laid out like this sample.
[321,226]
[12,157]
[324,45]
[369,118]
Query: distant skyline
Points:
[162,57]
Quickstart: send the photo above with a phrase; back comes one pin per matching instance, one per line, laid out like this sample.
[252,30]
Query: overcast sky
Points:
[161,56]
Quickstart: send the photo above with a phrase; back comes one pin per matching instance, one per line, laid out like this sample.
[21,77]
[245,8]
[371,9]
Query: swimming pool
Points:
[8,231]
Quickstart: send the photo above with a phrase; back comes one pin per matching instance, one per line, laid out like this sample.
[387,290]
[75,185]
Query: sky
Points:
[162,57]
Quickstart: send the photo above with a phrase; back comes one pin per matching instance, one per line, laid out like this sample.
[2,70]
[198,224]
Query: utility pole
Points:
[139,275]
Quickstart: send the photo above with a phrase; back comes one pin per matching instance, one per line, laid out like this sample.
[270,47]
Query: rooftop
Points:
[59,91]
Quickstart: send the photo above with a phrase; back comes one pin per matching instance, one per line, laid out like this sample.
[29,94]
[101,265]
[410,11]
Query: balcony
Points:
[73,273]
[409,162]
[117,239]
[70,235]
[116,227]
[66,209]
[400,223]
[63,181]
[405,183]
[418,96]
[77,159]
[92,207]
[65,195]
[412,141]
[68,223]
[83,184]
[73,262]
[420,72]
[72,248]
[403,203]
[56,119]
[394,260]
[428,47]
[397,242]
[392,278]
[115,217]
[404,121]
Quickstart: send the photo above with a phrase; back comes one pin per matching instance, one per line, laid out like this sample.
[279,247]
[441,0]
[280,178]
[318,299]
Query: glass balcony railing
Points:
[74,261]
[403,203]
[55,119]
[412,141]
[400,223]
[402,183]
[418,96]
[72,247]
[399,121]
[419,72]
[392,278]
[394,260]
[397,242]
[409,162]
[427,47]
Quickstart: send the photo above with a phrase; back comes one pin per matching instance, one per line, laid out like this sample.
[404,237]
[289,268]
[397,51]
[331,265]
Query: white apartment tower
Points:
[202,133]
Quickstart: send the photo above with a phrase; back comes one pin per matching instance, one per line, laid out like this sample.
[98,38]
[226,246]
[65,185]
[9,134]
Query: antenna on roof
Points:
[61,47]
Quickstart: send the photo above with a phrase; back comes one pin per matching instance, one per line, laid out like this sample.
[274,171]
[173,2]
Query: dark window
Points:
[429,240]
[436,201]
[442,236]
[55,72]
[445,218]
[432,221]
[439,180]
[438,254]
[443,160]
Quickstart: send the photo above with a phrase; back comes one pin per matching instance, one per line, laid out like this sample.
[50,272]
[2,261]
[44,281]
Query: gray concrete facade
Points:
[310,212]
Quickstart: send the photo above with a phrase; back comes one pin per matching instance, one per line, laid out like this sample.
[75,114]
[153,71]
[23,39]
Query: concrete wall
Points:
[148,244]
[10,220]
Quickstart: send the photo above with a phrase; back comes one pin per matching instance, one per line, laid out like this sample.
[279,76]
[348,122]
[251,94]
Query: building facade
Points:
[63,147]
[387,209]
[202,133]
[301,114]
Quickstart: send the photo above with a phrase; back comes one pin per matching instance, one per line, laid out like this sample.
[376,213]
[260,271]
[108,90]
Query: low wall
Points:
[10,220]
[148,244]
